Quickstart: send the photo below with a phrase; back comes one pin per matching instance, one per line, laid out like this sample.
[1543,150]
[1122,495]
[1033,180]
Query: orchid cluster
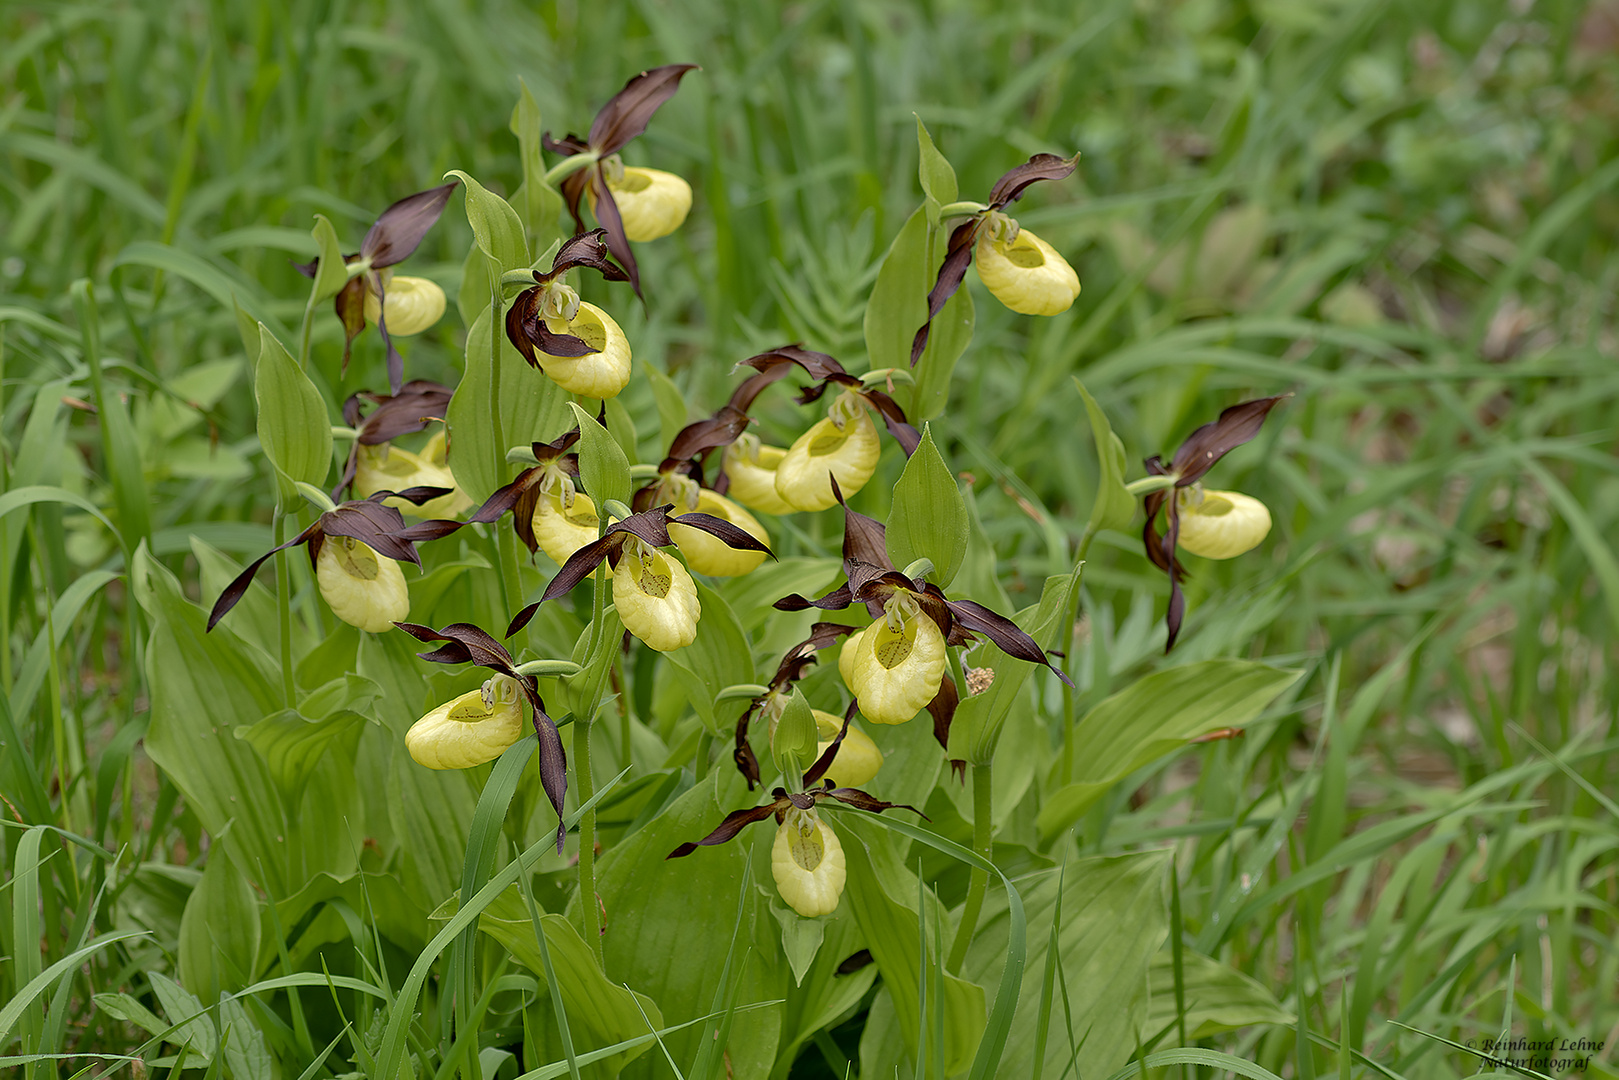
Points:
[698,512]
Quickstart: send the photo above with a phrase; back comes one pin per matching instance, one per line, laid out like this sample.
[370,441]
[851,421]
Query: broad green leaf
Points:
[671,403]
[1114,920]
[951,334]
[183,1008]
[1114,506]
[882,896]
[530,407]
[602,464]
[331,273]
[929,517]
[670,924]
[898,304]
[600,1012]
[495,225]
[540,202]
[1218,998]
[294,426]
[821,996]
[1153,717]
[247,1051]
[478,273]
[801,938]
[219,932]
[720,657]
[13,1010]
[752,594]
[293,744]
[937,177]
[976,730]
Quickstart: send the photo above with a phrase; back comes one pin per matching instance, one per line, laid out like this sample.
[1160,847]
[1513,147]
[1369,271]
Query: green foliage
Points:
[929,518]
[293,425]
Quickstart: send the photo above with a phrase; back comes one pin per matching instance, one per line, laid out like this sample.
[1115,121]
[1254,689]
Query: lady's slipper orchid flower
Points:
[651,203]
[370,295]
[474,728]
[858,759]
[389,468]
[898,665]
[806,859]
[751,467]
[416,406]
[1218,524]
[435,742]
[654,209]
[1020,270]
[844,446]
[577,344]
[770,704]
[355,551]
[654,594]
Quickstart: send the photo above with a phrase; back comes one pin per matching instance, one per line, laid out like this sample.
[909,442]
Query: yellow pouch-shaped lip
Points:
[474,728]
[1026,274]
[656,600]
[651,203]
[601,374]
[362,588]
[850,453]
[807,863]
[561,531]
[388,468]
[1223,525]
[414,304]
[858,757]
[707,553]
[895,673]
[753,479]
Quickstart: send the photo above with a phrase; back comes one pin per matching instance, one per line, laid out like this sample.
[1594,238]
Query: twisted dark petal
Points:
[824,762]
[957,257]
[378,527]
[650,525]
[855,961]
[480,648]
[567,146]
[865,539]
[861,801]
[619,244]
[894,419]
[933,604]
[817,365]
[396,362]
[743,396]
[573,193]
[416,496]
[576,569]
[734,822]
[721,429]
[554,344]
[519,316]
[523,517]
[1005,633]
[628,112]
[1009,188]
[1212,441]
[801,657]
[400,228]
[233,593]
[504,498]
[746,763]
[943,709]
[553,758]
[350,307]
[433,529]
[451,653]
[413,408]
[585,249]
[836,600]
[733,536]
[521,619]
[308,269]
[1177,599]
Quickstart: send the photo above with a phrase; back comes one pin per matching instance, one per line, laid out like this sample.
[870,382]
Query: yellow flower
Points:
[652,203]
[858,757]
[413,304]
[752,469]
[362,588]
[844,445]
[1026,274]
[474,728]
[1220,524]
[707,553]
[807,863]
[561,528]
[655,597]
[600,374]
[895,665]
[388,468]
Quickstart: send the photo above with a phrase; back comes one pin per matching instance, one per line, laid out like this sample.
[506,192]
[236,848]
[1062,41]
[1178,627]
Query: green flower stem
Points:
[1071,662]
[308,326]
[283,605]
[584,780]
[705,747]
[568,166]
[511,569]
[983,826]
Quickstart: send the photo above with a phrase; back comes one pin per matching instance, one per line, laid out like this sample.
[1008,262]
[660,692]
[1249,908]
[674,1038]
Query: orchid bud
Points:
[707,553]
[858,758]
[362,588]
[752,469]
[600,374]
[413,304]
[807,863]
[844,445]
[651,203]
[895,665]
[474,728]
[1220,524]
[1026,274]
[655,597]
[793,732]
